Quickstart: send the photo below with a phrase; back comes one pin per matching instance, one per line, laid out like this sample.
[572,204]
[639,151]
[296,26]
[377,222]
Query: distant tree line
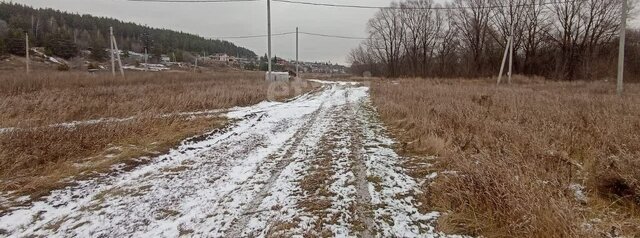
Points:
[466,38]
[64,34]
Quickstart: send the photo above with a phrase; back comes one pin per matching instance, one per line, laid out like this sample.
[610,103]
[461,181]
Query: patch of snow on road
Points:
[194,189]
[243,181]
[391,190]
[343,186]
[281,203]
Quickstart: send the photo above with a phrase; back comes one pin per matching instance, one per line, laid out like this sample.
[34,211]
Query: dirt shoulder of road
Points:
[532,159]
[59,127]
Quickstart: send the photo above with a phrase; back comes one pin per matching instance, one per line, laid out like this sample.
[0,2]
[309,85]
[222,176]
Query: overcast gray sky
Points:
[243,18]
[240,19]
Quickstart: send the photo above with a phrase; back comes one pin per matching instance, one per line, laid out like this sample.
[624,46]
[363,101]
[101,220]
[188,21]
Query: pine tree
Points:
[87,28]
[60,44]
[15,42]
[146,40]
[98,51]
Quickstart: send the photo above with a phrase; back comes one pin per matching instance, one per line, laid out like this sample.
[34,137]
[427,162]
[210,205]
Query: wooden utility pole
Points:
[508,50]
[504,59]
[115,46]
[297,55]
[623,29]
[269,37]
[113,60]
[26,47]
[511,51]
[196,66]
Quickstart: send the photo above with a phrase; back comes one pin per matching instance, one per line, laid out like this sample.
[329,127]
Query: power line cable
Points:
[404,7]
[253,36]
[194,1]
[401,7]
[291,33]
[334,36]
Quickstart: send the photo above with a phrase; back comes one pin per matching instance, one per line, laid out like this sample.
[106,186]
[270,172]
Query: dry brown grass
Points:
[35,158]
[511,153]
[315,185]
[33,161]
[53,97]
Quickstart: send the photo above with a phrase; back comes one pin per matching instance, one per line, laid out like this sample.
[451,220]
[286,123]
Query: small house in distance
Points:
[165,59]
[277,76]
[221,57]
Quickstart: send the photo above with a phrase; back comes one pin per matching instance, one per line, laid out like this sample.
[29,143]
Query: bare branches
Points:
[561,39]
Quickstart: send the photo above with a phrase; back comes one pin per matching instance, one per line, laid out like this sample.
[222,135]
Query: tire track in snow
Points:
[316,195]
[364,215]
[279,202]
[344,201]
[185,192]
[279,212]
[391,189]
[330,197]
[282,162]
[329,192]
[246,181]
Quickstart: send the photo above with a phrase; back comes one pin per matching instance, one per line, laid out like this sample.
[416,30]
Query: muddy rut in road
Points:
[319,165]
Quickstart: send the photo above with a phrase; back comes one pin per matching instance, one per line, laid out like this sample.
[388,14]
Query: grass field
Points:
[533,159]
[113,120]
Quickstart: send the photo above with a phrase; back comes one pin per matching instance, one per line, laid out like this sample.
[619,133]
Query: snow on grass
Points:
[342,212]
[243,181]
[281,204]
[343,186]
[106,120]
[342,83]
[391,188]
[197,188]
[578,191]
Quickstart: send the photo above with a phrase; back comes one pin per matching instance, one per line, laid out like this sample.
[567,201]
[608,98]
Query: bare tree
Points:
[415,24]
[447,45]
[507,21]
[561,39]
[433,27]
[602,25]
[566,34]
[472,21]
[361,60]
[535,26]
[422,24]
[580,28]
[387,33]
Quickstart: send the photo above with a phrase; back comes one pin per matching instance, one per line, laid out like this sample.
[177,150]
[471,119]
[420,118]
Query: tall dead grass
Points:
[510,157]
[54,97]
[36,157]
[33,162]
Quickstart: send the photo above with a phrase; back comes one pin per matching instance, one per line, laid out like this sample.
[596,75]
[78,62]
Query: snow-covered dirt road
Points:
[319,165]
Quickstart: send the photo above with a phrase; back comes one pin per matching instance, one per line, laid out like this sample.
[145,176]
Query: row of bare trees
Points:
[564,39]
